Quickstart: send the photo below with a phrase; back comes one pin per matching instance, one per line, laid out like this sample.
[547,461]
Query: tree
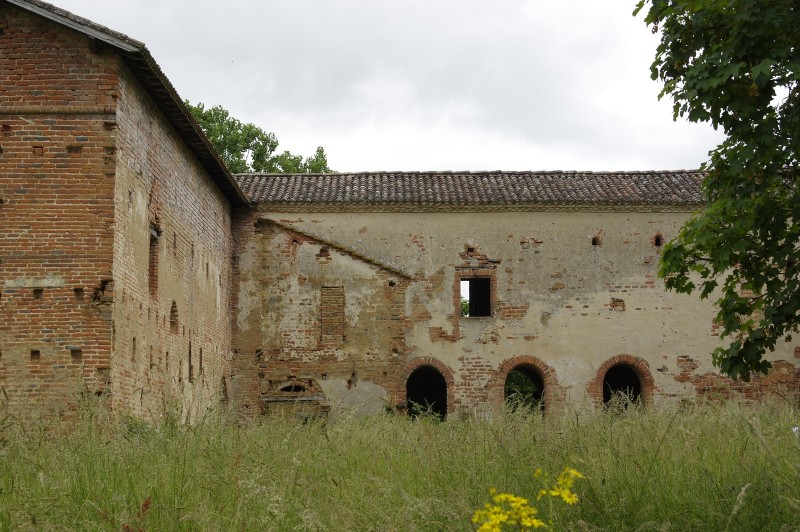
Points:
[735,64]
[246,148]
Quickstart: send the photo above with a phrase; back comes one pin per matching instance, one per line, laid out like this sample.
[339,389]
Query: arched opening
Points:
[622,381]
[524,388]
[293,388]
[426,392]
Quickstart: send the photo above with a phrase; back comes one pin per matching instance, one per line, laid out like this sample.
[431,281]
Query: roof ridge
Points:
[475,189]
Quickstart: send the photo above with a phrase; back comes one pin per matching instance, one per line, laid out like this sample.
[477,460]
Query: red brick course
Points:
[57,159]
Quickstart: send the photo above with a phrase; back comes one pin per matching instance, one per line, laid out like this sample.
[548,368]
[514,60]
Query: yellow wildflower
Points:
[516,512]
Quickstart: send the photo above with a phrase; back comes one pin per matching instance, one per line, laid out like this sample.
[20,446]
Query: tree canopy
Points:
[246,148]
[736,64]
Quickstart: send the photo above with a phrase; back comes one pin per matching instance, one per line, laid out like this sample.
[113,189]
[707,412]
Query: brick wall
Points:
[171,267]
[115,244]
[57,138]
[312,312]
[573,295]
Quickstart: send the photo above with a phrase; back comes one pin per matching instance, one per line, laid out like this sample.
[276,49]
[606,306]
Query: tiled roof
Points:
[470,189]
[155,82]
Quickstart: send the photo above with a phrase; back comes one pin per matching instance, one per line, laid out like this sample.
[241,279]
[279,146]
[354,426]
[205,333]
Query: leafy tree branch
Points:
[736,64]
[246,148]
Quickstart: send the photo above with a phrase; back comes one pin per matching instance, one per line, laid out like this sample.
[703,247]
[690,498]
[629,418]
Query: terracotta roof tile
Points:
[678,187]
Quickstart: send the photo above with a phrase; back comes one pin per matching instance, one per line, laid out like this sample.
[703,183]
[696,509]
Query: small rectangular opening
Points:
[38,293]
[35,355]
[78,293]
[191,367]
[75,353]
[152,265]
[476,297]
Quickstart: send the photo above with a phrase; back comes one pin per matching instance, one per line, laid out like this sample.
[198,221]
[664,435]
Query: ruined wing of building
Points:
[135,267]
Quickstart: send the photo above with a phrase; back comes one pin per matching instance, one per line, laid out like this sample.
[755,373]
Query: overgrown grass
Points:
[703,467]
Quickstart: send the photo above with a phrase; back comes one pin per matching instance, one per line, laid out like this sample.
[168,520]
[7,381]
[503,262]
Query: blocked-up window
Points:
[476,297]
[152,267]
[332,315]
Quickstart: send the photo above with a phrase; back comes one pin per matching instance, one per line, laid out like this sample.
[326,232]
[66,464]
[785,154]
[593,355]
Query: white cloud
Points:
[414,85]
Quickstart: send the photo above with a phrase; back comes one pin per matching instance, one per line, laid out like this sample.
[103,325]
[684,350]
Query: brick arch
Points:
[638,365]
[548,375]
[441,368]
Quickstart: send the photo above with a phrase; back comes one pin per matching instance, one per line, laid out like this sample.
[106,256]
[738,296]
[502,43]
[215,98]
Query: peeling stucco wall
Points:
[573,293]
[309,310]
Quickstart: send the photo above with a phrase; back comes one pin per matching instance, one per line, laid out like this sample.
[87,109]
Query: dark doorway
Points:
[622,380]
[426,392]
[524,388]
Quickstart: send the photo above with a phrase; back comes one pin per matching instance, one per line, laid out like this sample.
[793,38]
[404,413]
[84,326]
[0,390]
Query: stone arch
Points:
[639,367]
[545,372]
[444,371]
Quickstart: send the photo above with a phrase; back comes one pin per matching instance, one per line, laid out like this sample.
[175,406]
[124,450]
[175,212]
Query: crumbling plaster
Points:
[559,298]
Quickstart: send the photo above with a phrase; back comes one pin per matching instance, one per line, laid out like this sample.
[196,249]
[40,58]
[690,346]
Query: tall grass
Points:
[703,467]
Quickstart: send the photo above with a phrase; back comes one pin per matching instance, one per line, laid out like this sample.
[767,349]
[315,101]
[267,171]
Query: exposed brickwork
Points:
[57,141]
[331,316]
[107,219]
[172,270]
[783,380]
[339,321]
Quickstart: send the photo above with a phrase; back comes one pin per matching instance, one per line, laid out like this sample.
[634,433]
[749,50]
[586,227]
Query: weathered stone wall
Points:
[172,268]
[57,138]
[573,294]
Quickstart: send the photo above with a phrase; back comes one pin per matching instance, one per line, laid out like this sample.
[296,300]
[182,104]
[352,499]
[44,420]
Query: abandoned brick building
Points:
[133,265]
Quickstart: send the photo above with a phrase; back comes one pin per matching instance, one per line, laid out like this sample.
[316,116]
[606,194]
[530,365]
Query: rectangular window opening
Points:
[476,297]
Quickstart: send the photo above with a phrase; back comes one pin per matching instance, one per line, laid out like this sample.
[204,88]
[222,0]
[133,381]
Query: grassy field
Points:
[705,467]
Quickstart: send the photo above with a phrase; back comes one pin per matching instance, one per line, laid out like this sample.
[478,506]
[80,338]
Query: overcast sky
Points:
[424,84]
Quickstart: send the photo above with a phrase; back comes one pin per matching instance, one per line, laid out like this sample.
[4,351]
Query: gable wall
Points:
[57,137]
[311,313]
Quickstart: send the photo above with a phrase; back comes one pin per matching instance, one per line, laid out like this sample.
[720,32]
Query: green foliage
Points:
[521,391]
[246,148]
[644,470]
[736,64]
[464,307]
